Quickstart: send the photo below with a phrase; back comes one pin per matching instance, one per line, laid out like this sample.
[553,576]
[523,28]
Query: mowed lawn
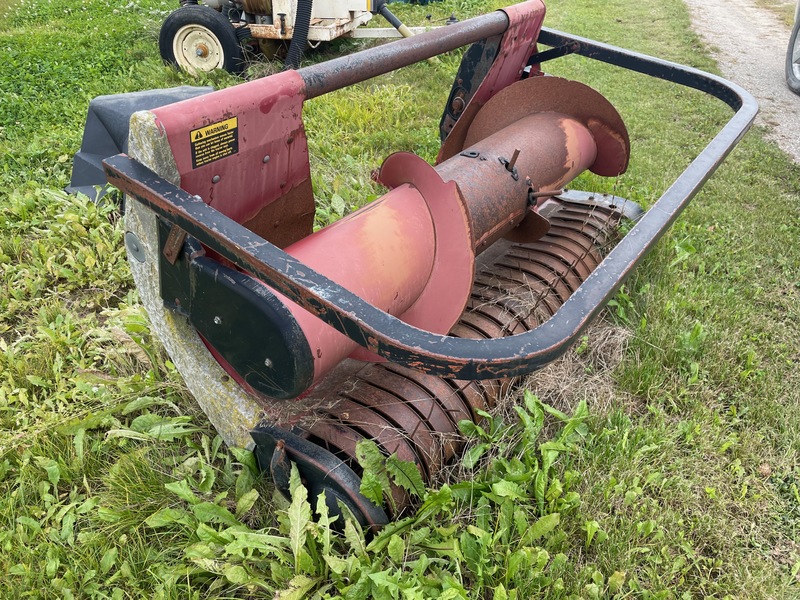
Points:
[659,459]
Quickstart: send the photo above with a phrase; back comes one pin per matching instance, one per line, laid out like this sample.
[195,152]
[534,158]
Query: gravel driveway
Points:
[749,44]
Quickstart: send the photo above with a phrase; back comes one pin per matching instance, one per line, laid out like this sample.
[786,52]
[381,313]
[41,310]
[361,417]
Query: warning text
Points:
[214,141]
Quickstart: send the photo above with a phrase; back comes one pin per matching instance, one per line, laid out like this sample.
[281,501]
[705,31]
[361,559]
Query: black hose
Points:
[302,20]
[391,17]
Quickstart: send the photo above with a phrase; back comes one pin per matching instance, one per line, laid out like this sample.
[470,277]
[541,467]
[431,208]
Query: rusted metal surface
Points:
[411,253]
[518,43]
[322,30]
[286,219]
[551,149]
[346,70]
[174,244]
[563,96]
[270,32]
[510,147]
[475,64]
[417,415]
[326,30]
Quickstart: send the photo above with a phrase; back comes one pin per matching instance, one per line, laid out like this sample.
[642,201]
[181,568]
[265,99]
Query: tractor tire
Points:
[793,59]
[198,39]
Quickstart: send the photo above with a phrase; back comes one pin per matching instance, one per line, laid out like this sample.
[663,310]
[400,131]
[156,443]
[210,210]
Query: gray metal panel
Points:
[106,132]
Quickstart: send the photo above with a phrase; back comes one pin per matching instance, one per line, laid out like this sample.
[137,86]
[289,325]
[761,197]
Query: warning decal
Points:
[214,141]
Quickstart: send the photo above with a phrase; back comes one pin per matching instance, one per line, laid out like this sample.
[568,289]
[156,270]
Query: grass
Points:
[783,9]
[658,460]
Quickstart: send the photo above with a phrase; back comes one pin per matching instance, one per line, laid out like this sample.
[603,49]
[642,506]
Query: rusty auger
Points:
[413,313]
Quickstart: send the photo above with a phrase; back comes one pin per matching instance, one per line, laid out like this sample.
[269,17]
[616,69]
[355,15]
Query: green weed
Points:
[112,484]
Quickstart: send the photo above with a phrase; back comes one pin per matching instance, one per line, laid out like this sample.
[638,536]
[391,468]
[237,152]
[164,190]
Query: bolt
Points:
[215,179]
[217,321]
[508,165]
[134,246]
[265,160]
[268,363]
[513,161]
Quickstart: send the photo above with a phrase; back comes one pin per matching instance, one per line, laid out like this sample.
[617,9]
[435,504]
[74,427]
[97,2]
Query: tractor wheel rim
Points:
[197,49]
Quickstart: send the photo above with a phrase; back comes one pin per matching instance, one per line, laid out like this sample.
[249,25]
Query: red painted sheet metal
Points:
[267,117]
[519,42]
[383,252]
[444,298]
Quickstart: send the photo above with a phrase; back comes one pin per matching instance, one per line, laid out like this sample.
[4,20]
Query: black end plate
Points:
[105,132]
[240,319]
[475,64]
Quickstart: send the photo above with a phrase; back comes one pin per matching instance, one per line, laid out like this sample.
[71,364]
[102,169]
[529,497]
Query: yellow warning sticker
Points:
[214,141]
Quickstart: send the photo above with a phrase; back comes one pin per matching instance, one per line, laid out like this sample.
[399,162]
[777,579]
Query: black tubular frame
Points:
[387,335]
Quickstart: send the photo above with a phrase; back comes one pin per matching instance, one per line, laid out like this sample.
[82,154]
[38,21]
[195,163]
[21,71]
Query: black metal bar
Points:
[425,351]
[728,92]
[391,17]
[553,53]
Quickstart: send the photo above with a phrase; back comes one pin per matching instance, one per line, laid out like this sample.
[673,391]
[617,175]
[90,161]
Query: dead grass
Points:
[585,372]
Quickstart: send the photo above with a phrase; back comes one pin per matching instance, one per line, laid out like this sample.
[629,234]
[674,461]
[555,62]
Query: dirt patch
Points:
[749,43]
